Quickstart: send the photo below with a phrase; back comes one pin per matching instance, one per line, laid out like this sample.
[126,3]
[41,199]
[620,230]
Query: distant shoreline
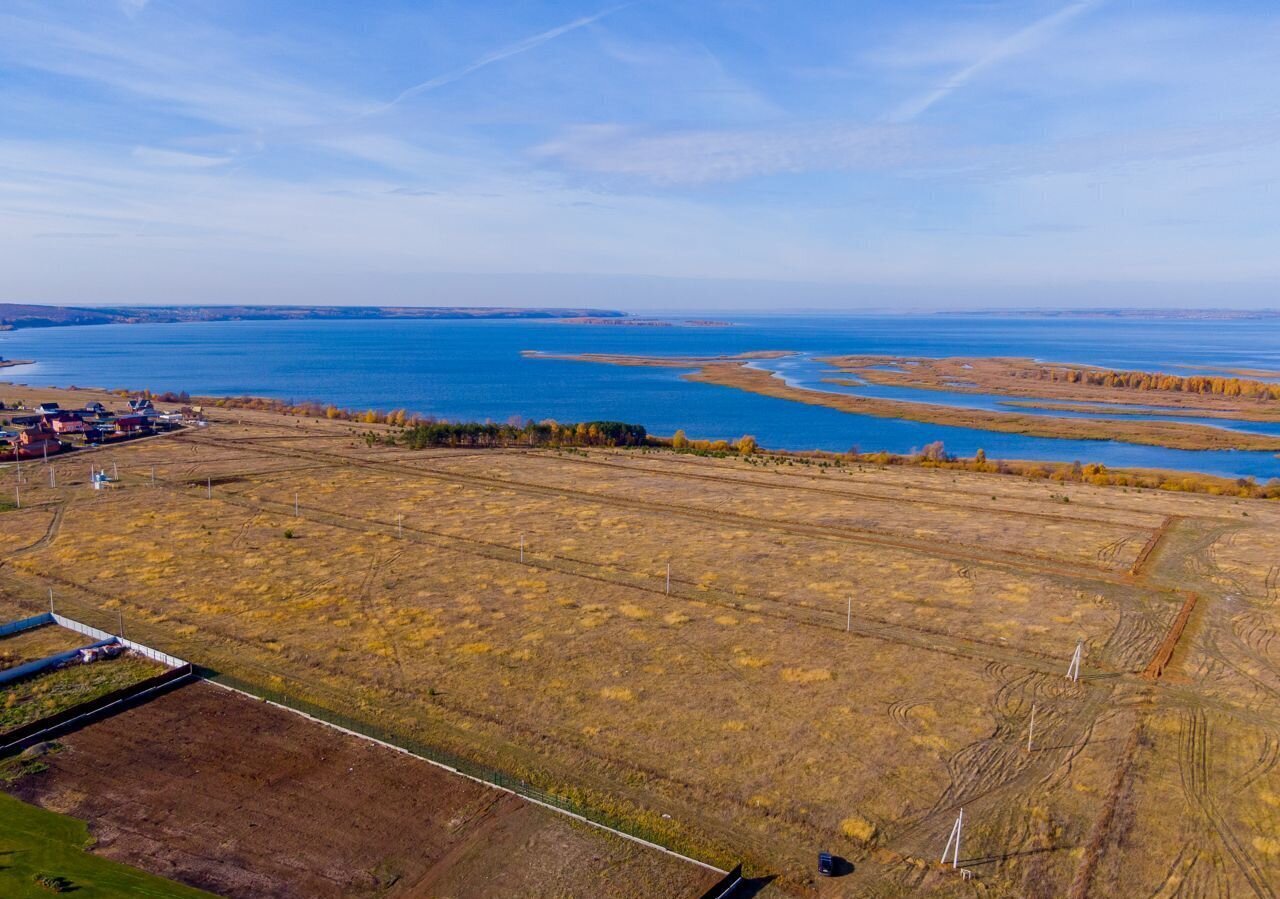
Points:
[17,316]
[1162,314]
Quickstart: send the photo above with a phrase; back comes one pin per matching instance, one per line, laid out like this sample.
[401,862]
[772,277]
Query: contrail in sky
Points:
[1018,42]
[490,58]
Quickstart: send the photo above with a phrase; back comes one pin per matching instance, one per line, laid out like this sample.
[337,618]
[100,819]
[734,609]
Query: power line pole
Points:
[522,547]
[953,842]
[208,488]
[668,579]
[295,504]
[1073,670]
[848,622]
[1031,728]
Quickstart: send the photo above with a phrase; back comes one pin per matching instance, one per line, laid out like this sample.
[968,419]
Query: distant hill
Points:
[20,315]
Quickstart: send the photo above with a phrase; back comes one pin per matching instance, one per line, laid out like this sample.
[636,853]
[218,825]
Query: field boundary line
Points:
[1164,653]
[1156,538]
[480,780]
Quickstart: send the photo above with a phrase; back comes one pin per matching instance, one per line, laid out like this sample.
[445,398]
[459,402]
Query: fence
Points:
[25,624]
[727,886]
[98,634]
[37,731]
[393,740]
[450,761]
[18,672]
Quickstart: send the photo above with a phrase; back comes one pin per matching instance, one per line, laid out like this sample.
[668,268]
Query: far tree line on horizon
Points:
[1140,380]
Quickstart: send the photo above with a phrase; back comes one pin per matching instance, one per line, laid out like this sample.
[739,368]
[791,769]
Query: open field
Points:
[311,813]
[845,657]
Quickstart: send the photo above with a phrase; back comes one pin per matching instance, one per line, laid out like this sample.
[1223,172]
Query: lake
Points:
[474,370]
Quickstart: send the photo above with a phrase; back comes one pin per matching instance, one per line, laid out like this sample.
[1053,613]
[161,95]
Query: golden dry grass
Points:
[744,714]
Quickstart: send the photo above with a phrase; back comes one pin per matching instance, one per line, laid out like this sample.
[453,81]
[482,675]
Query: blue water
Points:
[474,370]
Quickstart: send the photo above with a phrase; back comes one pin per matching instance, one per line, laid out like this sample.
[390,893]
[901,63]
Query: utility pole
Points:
[115,472]
[17,495]
[208,488]
[522,547]
[50,600]
[1031,728]
[668,578]
[953,842]
[400,530]
[52,481]
[848,622]
[1073,670]
[120,634]
[153,475]
[295,504]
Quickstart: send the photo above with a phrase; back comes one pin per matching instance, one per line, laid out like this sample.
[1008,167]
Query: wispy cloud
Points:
[490,58]
[132,7]
[716,156]
[1015,44]
[176,159]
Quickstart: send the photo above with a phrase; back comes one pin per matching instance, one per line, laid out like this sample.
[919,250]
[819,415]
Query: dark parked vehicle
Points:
[826,864]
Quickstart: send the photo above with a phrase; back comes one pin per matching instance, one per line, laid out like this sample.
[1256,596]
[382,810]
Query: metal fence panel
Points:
[25,624]
[97,633]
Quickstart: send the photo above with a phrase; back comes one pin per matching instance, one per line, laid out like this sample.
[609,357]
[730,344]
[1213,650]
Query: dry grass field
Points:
[845,656]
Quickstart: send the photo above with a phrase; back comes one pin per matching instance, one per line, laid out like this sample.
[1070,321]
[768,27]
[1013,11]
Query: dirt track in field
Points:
[243,799]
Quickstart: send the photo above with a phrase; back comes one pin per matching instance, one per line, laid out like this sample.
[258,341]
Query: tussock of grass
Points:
[858,828]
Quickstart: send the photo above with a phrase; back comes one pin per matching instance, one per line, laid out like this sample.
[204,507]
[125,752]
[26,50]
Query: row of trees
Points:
[1141,380]
[542,433]
[743,446]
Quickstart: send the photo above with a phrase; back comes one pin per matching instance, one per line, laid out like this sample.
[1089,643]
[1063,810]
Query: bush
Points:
[52,882]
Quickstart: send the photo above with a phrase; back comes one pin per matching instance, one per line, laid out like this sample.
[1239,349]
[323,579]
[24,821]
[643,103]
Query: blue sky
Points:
[657,154]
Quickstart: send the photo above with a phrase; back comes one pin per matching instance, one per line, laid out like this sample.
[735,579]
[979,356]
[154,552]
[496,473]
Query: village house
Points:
[66,423]
[37,442]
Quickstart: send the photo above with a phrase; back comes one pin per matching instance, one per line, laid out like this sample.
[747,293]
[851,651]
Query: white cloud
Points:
[707,156]
[175,159]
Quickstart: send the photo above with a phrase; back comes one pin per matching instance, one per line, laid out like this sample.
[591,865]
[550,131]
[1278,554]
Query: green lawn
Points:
[55,691]
[33,841]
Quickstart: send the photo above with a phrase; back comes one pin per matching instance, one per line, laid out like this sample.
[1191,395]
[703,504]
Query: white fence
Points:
[162,657]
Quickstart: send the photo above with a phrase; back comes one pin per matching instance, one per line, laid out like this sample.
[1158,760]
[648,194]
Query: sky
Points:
[648,155]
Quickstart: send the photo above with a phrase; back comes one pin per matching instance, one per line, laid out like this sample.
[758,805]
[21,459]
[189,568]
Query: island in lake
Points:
[22,315]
